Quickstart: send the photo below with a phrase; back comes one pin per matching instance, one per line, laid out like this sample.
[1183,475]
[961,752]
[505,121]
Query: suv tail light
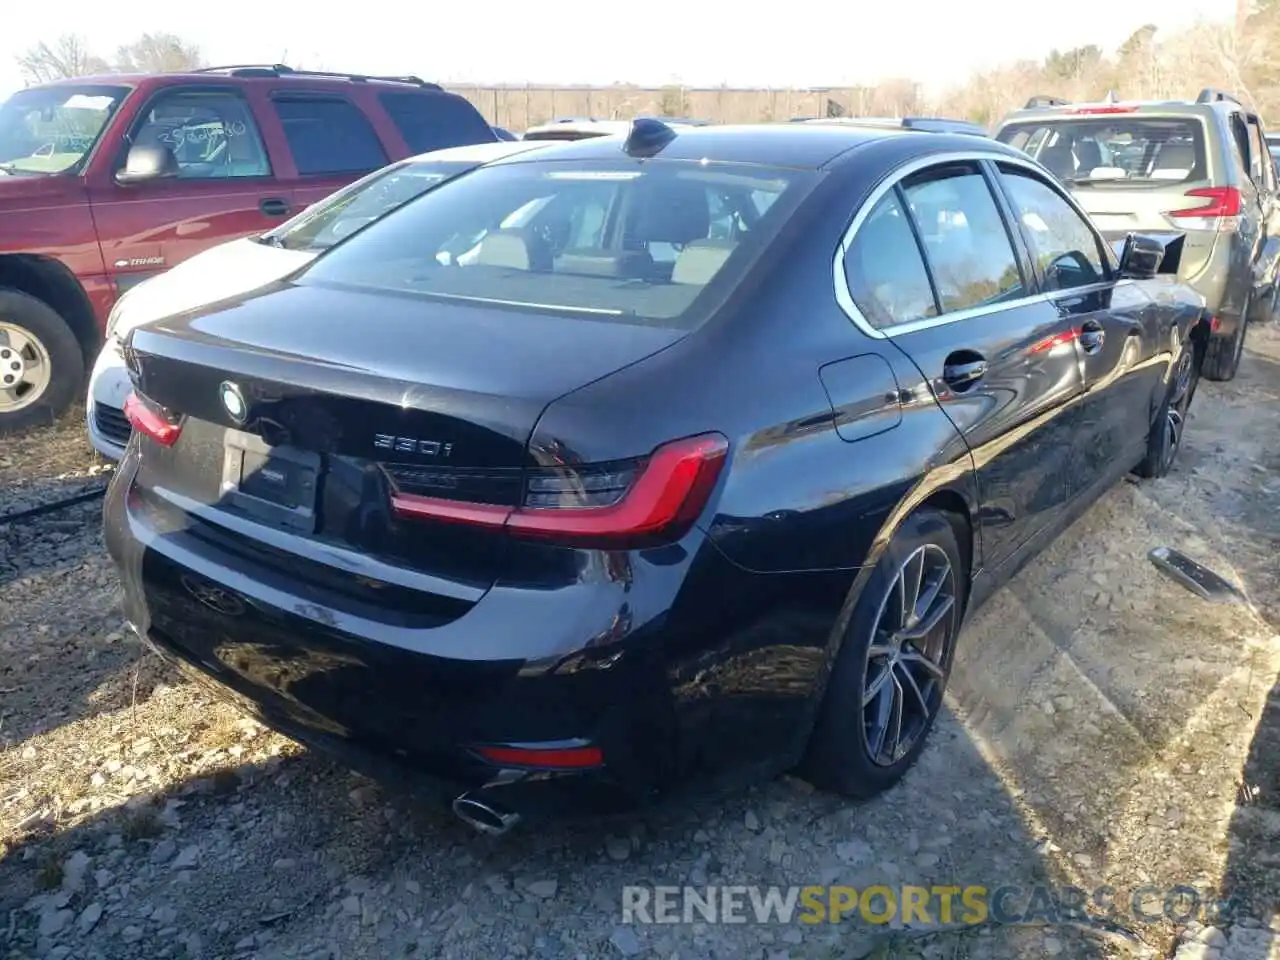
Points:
[1221,202]
[627,503]
[152,420]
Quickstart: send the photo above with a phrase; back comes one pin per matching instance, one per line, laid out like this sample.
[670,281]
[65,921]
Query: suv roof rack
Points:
[1040,100]
[283,70]
[1214,95]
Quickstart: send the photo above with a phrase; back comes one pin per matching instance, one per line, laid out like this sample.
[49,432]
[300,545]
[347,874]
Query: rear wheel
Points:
[41,363]
[1222,358]
[887,684]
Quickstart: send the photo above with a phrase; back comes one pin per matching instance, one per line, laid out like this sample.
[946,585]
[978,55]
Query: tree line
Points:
[1240,56]
[70,56]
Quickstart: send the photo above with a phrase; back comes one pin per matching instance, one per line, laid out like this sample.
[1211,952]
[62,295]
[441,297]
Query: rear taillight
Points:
[618,504]
[1220,202]
[152,421]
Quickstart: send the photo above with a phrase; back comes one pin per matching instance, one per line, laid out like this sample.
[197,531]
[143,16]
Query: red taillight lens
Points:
[1223,202]
[549,758]
[151,421]
[628,503]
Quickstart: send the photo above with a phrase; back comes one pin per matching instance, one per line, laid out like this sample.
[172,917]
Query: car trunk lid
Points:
[305,407]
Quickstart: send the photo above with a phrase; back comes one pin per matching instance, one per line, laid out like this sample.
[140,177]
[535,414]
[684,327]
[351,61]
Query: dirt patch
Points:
[1105,728]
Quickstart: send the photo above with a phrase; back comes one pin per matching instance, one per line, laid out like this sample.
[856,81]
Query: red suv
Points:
[106,181]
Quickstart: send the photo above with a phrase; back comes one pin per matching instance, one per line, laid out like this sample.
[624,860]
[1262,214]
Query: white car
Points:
[240,266]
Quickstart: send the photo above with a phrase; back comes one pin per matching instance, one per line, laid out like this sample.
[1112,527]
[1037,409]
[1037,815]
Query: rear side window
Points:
[434,121]
[886,277]
[965,241]
[1129,148]
[623,240]
[329,136]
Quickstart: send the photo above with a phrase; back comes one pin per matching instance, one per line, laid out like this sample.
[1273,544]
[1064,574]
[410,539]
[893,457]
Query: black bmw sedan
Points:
[651,459]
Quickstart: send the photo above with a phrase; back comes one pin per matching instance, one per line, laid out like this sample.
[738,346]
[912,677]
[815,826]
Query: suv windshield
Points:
[52,129]
[626,240]
[337,216]
[1129,148]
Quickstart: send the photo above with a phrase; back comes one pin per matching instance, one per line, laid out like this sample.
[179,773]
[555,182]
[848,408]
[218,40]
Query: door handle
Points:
[1092,336]
[960,373]
[273,206]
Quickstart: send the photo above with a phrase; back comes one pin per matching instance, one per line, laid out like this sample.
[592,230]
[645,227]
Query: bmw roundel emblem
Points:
[233,401]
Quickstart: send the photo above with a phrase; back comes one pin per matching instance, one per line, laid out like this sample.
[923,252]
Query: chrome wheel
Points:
[909,655]
[25,368]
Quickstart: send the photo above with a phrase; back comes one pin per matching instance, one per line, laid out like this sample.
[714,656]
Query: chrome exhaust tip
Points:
[483,815]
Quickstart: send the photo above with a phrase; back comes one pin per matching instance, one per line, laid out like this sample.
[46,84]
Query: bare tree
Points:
[68,56]
[158,53]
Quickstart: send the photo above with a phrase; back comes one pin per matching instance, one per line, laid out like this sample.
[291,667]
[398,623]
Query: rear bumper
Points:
[412,705]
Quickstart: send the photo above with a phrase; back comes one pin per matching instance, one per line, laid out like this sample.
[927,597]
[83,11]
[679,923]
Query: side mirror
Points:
[1140,257]
[146,162]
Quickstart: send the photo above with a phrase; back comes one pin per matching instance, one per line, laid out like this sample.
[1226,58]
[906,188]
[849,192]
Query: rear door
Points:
[226,187]
[936,269]
[1112,322]
[331,140]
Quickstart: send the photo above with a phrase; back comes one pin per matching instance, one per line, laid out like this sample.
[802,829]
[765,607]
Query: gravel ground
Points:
[1104,727]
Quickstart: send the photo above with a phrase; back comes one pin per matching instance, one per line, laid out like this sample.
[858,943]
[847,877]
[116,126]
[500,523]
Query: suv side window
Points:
[1260,166]
[1063,244]
[966,243]
[884,270]
[434,121]
[329,135]
[1240,142]
[212,134]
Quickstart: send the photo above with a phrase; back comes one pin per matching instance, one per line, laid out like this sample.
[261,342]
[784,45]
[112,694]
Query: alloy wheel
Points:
[25,368]
[909,655]
[1176,410]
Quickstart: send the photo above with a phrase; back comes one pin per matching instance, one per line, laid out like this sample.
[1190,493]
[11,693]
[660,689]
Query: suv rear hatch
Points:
[1132,171]
[301,424]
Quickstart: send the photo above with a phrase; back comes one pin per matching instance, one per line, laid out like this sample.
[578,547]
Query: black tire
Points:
[1165,439]
[1222,358]
[42,323]
[843,755]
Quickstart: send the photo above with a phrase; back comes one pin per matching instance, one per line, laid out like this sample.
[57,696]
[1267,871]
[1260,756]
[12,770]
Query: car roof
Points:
[797,145]
[1045,108]
[224,75]
[480,152]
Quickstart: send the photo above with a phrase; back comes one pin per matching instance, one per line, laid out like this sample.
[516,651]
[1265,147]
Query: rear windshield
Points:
[628,240]
[1132,148]
[359,204]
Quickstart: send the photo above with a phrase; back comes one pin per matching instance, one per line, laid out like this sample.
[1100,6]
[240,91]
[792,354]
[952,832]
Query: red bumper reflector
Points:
[551,758]
[147,420]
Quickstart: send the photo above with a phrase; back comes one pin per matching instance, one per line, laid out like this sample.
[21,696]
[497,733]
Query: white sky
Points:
[762,42]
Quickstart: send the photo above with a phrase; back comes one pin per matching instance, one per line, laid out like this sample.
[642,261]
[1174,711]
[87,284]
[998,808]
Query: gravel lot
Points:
[1104,726]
